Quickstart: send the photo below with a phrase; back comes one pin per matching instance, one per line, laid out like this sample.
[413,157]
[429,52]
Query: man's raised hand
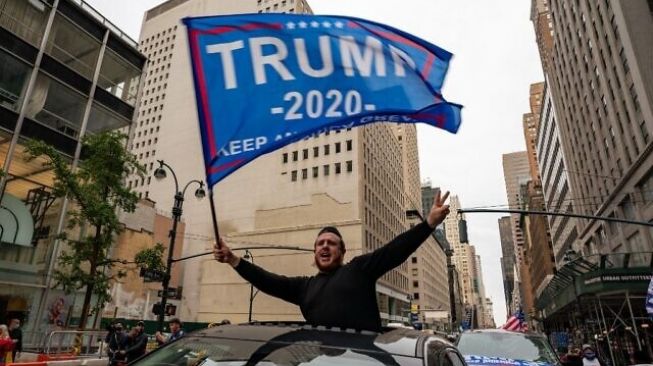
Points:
[438,211]
[223,254]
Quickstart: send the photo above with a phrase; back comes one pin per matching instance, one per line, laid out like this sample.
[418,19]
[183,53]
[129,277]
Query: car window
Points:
[516,346]
[192,351]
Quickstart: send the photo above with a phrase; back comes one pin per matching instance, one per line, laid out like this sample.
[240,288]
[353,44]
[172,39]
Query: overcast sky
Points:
[495,61]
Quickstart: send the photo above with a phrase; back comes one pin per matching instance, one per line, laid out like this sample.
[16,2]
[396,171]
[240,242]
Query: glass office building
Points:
[65,72]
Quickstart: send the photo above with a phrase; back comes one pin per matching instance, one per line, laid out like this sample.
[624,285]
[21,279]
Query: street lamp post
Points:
[159,174]
[249,256]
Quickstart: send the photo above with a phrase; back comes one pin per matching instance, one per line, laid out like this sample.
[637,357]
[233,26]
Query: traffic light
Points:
[156,308]
[462,231]
[171,309]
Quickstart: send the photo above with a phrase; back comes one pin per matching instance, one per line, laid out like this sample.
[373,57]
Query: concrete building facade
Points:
[507,260]
[600,77]
[516,171]
[555,183]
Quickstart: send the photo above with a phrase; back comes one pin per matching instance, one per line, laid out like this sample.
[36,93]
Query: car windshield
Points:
[195,351]
[515,346]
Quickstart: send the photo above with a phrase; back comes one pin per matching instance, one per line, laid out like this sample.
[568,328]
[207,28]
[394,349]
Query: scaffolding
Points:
[600,300]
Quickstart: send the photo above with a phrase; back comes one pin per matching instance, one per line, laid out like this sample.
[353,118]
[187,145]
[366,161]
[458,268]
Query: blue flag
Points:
[263,81]
[649,299]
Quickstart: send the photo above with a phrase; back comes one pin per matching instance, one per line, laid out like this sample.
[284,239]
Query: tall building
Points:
[555,183]
[507,260]
[531,123]
[489,313]
[601,80]
[65,72]
[464,257]
[434,258]
[352,179]
[479,289]
[516,172]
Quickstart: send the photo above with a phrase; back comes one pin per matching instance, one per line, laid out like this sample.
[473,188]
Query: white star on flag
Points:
[302,24]
[290,25]
[339,24]
[326,24]
[315,24]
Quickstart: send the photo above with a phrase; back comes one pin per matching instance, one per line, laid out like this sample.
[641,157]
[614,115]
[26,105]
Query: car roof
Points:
[403,342]
[476,331]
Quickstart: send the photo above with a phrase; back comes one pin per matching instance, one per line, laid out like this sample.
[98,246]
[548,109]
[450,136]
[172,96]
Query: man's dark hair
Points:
[333,230]
[175,321]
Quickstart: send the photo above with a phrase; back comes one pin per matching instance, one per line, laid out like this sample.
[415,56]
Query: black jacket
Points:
[136,346]
[17,334]
[345,297]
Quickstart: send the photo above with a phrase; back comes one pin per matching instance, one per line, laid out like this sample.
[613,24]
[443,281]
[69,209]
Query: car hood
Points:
[498,361]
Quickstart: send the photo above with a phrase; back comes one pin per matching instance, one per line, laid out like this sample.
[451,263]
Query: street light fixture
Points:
[159,174]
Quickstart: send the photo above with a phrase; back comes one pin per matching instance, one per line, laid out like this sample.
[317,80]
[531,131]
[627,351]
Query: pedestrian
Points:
[574,358]
[137,342]
[117,345]
[175,332]
[339,295]
[590,358]
[17,335]
[6,345]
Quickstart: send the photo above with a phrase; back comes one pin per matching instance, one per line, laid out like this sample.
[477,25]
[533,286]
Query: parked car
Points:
[497,346]
[287,344]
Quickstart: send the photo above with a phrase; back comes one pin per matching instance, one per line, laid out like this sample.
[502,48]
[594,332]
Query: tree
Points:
[151,258]
[97,192]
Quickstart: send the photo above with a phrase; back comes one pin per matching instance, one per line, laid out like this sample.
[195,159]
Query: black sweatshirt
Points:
[346,296]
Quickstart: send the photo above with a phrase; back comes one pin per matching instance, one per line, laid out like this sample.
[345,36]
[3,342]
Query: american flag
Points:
[516,322]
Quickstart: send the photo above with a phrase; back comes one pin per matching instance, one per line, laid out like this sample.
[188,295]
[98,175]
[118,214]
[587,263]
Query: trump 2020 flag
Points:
[649,299]
[263,81]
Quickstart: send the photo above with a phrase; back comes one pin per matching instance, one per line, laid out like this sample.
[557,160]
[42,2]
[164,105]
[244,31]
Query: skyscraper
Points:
[600,75]
[355,179]
[507,260]
[516,172]
[555,185]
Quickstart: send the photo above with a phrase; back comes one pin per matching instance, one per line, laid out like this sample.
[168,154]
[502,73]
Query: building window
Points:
[285,157]
[350,166]
[316,151]
[326,170]
[415,283]
[349,145]
[415,296]
[293,176]
[295,155]
[305,154]
[337,147]
[315,169]
[304,173]
[326,149]
[337,168]
[413,260]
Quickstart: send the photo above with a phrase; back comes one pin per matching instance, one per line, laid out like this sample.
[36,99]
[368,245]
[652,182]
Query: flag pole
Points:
[216,231]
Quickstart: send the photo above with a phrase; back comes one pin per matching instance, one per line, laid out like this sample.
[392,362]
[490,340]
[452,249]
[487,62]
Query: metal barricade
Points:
[81,343]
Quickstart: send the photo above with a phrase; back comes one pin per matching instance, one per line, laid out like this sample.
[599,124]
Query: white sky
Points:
[495,61]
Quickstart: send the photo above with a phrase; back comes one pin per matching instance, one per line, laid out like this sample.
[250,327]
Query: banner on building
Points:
[263,81]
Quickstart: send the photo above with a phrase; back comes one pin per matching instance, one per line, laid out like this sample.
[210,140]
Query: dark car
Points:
[272,344]
[497,346]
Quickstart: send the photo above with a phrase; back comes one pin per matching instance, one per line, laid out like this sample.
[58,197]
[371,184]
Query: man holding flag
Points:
[339,295]
[263,81]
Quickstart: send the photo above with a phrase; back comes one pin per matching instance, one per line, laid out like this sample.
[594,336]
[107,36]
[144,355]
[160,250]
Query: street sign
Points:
[172,293]
[152,275]
[414,308]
